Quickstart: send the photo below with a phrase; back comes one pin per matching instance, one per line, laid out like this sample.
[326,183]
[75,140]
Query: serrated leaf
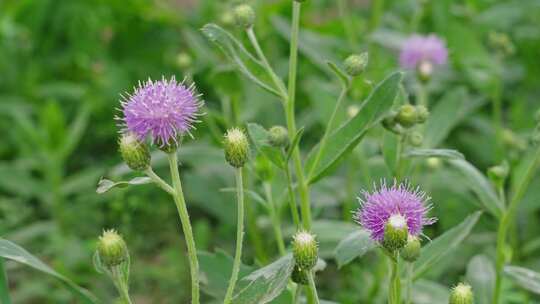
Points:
[438,153]
[105,185]
[345,138]
[480,185]
[524,278]
[259,136]
[444,244]
[353,246]
[12,251]
[251,67]
[265,284]
[481,276]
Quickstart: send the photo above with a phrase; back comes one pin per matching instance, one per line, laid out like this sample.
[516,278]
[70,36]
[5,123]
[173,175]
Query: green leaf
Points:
[353,246]
[4,284]
[265,284]
[14,252]
[438,153]
[342,76]
[295,142]
[344,139]
[480,185]
[105,185]
[390,143]
[444,244]
[251,67]
[524,278]
[259,136]
[75,132]
[481,276]
[429,292]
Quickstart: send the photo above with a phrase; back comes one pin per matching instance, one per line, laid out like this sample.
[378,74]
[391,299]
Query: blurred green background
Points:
[63,64]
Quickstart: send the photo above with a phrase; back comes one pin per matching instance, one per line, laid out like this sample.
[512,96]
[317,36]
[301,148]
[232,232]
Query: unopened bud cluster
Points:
[461,294]
[407,116]
[356,64]
[112,249]
[134,152]
[236,147]
[396,233]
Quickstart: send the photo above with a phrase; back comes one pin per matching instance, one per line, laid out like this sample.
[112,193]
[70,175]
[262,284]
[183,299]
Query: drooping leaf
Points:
[444,244]
[259,136]
[250,67]
[439,153]
[12,251]
[353,246]
[525,278]
[265,284]
[480,185]
[105,185]
[344,139]
[481,276]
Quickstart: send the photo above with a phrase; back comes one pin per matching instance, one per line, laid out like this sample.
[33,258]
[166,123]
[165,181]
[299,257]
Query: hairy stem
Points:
[186,227]
[410,272]
[276,222]
[239,236]
[121,284]
[312,288]
[506,222]
[394,290]
[292,197]
[159,181]
[4,284]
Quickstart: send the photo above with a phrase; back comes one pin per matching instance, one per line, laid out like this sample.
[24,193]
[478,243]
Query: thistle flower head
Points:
[396,202]
[112,249]
[418,50]
[163,110]
[236,146]
[305,250]
[134,152]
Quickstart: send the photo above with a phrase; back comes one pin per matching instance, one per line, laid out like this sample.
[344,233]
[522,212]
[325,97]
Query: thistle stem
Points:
[186,226]
[394,290]
[506,221]
[312,288]
[410,271]
[239,236]
[159,181]
[276,223]
[292,197]
[303,187]
[121,284]
[4,284]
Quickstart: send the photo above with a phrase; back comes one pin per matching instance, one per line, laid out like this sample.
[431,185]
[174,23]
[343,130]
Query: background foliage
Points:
[64,63]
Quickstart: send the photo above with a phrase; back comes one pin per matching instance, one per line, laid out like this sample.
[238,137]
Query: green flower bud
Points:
[407,116]
[227,18]
[396,233]
[244,16]
[422,114]
[305,250]
[236,147]
[416,139]
[356,64]
[461,294]
[183,61]
[112,249]
[134,152]
[279,137]
[390,123]
[299,276]
[411,251]
[498,174]
[425,70]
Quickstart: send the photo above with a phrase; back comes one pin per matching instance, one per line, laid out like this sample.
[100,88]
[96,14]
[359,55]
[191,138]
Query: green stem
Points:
[186,226]
[328,129]
[400,163]
[121,284]
[312,288]
[395,282]
[239,236]
[277,81]
[4,284]
[297,294]
[506,221]
[497,115]
[422,95]
[303,187]
[159,181]
[292,197]
[410,271]
[377,9]
[276,222]
[348,24]
[253,230]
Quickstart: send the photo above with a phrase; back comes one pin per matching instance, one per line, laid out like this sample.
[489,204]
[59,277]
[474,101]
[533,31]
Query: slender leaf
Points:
[480,185]
[344,139]
[105,185]
[439,153]
[353,246]
[265,284]
[481,276]
[251,67]
[342,76]
[525,278]
[14,252]
[444,244]
[295,142]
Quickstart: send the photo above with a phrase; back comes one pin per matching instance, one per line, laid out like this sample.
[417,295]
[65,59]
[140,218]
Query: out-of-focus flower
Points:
[163,110]
[423,53]
[461,294]
[399,200]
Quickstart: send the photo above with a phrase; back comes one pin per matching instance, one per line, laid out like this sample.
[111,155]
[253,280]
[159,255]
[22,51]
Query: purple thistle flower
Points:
[417,49]
[163,110]
[377,208]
